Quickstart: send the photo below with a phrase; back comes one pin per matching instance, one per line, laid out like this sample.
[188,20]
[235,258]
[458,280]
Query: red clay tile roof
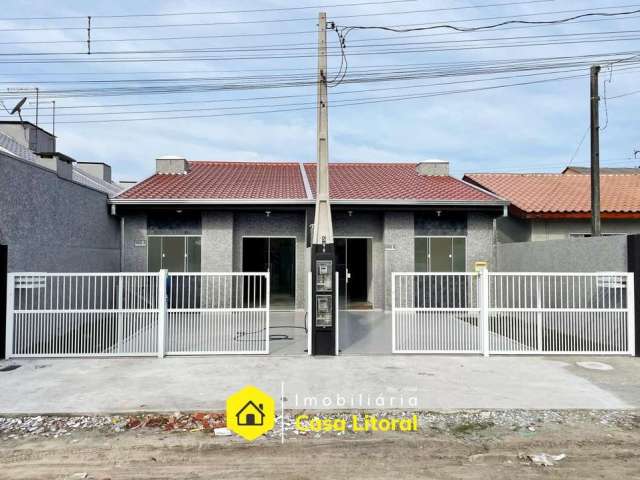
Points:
[284,181]
[397,181]
[558,193]
[224,180]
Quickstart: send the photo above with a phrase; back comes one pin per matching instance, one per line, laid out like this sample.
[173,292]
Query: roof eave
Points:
[271,201]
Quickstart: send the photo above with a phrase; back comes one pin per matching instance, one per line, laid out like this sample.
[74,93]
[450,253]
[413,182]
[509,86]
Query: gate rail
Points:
[136,314]
[513,313]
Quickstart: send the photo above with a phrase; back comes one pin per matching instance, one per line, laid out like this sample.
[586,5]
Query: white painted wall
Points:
[542,230]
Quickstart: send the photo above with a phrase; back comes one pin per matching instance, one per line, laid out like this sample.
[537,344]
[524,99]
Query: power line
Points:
[383,99]
[310,19]
[278,9]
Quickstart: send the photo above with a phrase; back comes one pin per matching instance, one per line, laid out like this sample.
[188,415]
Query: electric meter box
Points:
[323,300]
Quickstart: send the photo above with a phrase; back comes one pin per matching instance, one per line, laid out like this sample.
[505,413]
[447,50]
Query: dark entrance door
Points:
[353,265]
[278,257]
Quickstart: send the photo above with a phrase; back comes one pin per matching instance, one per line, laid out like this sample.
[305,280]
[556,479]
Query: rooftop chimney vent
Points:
[171,164]
[433,167]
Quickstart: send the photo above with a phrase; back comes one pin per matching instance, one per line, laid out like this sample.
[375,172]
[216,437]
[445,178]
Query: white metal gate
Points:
[217,313]
[136,314]
[82,314]
[561,313]
[513,313]
[436,313]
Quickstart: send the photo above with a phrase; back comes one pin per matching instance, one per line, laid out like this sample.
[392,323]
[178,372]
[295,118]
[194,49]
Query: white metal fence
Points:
[136,314]
[513,313]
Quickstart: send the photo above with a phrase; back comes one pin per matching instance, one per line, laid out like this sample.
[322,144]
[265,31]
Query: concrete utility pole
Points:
[323,229]
[323,264]
[595,153]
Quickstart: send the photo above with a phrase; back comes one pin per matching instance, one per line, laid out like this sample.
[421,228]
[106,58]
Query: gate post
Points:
[162,310]
[631,318]
[11,281]
[484,309]
[633,266]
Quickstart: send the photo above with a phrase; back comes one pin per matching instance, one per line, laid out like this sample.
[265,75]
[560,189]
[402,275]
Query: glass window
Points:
[154,254]
[422,255]
[193,254]
[459,255]
[440,254]
[174,253]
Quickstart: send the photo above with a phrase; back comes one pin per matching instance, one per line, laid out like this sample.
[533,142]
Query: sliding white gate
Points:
[513,313]
[82,314]
[136,314]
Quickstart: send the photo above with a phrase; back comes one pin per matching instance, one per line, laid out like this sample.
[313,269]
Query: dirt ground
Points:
[463,451]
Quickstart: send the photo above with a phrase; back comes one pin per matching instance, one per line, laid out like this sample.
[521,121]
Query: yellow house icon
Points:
[250,412]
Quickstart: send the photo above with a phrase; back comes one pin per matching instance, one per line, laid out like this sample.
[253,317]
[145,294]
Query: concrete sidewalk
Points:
[203,383]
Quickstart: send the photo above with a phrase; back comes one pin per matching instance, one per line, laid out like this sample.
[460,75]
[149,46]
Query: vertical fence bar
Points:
[538,315]
[631,317]
[11,285]
[120,326]
[162,311]
[484,310]
[337,310]
[309,312]
[268,306]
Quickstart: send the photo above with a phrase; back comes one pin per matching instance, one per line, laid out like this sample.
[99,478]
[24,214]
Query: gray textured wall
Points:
[571,255]
[134,257]
[279,224]
[217,241]
[479,239]
[366,224]
[54,225]
[399,232]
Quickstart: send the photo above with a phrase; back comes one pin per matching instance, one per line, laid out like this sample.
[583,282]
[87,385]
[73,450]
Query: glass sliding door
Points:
[440,254]
[174,253]
[277,256]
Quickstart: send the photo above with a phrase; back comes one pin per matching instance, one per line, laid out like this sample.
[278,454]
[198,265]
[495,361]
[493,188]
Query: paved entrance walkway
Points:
[203,383]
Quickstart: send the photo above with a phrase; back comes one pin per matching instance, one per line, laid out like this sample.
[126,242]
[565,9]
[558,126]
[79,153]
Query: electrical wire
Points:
[277,9]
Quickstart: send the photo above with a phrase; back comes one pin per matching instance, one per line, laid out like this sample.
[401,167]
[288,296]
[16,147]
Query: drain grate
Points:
[8,368]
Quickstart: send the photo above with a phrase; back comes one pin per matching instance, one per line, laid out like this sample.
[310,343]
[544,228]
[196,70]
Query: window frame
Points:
[451,237]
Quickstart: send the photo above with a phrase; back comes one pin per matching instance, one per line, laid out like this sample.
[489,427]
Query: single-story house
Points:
[220,216]
[554,206]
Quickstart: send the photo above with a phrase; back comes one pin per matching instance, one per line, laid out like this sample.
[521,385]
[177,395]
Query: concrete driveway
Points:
[352,382]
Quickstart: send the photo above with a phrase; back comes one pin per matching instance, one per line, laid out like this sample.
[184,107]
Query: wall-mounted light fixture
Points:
[350,212]
[267,213]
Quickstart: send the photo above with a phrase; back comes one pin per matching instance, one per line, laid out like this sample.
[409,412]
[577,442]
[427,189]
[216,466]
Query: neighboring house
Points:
[256,216]
[54,215]
[552,206]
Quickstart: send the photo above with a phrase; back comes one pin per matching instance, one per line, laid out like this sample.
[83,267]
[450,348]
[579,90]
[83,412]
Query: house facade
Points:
[556,206]
[255,217]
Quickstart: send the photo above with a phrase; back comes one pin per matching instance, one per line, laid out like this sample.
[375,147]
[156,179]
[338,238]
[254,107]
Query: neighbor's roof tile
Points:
[558,193]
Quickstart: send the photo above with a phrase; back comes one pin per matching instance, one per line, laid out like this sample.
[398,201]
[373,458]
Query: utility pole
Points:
[595,153]
[323,265]
[323,229]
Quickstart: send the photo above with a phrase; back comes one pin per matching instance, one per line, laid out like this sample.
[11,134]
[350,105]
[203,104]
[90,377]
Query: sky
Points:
[537,127]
